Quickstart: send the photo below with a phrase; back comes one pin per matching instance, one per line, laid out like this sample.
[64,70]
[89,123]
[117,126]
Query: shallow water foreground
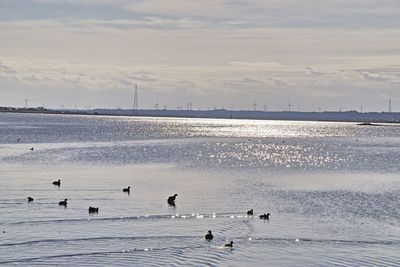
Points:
[332,190]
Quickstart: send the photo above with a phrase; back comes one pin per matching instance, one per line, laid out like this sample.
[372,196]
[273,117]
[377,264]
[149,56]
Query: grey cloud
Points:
[378,75]
[5,69]
[312,71]
[282,82]
[257,82]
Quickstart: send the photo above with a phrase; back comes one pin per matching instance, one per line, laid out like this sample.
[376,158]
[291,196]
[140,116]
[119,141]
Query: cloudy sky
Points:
[214,53]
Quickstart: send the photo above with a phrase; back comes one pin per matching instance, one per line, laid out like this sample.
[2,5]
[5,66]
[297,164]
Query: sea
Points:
[332,190]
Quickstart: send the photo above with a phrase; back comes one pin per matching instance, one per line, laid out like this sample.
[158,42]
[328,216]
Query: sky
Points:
[232,54]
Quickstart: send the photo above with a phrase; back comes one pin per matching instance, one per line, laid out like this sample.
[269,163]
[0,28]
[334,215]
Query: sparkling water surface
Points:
[332,190]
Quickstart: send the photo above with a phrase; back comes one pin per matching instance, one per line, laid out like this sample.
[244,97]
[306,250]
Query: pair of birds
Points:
[64,202]
[61,203]
[96,210]
[170,199]
[57,183]
[264,216]
[210,236]
[91,209]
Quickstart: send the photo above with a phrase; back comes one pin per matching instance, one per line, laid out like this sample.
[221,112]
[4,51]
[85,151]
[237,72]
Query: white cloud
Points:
[379,77]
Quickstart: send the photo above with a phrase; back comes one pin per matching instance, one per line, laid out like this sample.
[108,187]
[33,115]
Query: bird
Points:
[128,189]
[30,199]
[265,216]
[31,148]
[63,203]
[57,183]
[250,212]
[209,235]
[93,210]
[171,199]
[229,245]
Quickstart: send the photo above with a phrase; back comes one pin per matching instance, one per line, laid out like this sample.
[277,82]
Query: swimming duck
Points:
[229,245]
[171,199]
[57,183]
[209,235]
[63,203]
[250,212]
[93,210]
[128,189]
[265,216]
[30,199]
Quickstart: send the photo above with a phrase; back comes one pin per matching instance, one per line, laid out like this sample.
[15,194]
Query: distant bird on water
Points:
[127,190]
[171,199]
[30,199]
[63,203]
[31,148]
[57,183]
[209,235]
[93,210]
[265,216]
[229,245]
[250,212]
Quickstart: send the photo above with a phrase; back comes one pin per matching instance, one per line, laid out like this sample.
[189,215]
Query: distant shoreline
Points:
[366,119]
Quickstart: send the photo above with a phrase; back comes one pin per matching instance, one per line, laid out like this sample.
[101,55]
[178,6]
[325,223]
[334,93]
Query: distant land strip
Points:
[344,116]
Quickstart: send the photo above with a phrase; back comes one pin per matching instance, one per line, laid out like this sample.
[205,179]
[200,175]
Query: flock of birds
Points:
[171,201]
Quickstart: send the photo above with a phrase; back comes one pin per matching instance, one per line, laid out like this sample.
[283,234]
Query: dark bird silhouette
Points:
[18,140]
[171,199]
[31,148]
[209,235]
[250,212]
[93,210]
[57,183]
[229,245]
[265,216]
[128,189]
[63,203]
[30,199]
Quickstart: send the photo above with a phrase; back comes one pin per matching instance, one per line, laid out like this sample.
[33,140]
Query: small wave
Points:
[104,253]
[12,203]
[139,217]
[69,190]
[342,241]
[108,238]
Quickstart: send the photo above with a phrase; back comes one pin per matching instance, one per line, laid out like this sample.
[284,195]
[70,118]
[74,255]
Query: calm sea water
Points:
[332,190]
